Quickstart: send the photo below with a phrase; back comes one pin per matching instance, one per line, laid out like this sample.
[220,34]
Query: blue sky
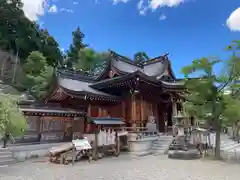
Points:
[189,30]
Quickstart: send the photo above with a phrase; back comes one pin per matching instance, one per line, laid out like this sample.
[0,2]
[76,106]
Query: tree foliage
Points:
[11,118]
[231,111]
[140,57]
[38,74]
[75,47]
[206,97]
[90,61]
[20,36]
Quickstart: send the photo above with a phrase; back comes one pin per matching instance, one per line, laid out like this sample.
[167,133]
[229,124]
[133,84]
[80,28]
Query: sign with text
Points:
[81,144]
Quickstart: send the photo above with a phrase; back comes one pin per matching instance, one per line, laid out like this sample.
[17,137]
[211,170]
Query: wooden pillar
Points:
[123,110]
[133,110]
[89,110]
[88,127]
[39,124]
[156,115]
[142,111]
[174,107]
[100,114]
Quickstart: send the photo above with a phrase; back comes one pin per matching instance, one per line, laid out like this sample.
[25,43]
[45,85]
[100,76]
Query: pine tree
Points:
[76,46]
[140,57]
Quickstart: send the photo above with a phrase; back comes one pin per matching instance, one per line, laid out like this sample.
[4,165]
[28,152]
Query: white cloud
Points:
[142,9]
[34,8]
[140,4]
[53,9]
[75,3]
[233,21]
[119,1]
[66,10]
[144,5]
[162,17]
[154,4]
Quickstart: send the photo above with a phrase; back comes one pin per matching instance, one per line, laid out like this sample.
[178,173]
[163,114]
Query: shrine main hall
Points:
[124,92]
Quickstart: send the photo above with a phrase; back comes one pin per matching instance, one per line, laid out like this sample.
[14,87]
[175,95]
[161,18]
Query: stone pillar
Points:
[174,113]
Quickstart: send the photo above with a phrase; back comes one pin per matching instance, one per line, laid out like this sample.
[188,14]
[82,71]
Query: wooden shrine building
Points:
[123,90]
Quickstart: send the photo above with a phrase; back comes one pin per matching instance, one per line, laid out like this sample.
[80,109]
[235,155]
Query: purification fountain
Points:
[181,148]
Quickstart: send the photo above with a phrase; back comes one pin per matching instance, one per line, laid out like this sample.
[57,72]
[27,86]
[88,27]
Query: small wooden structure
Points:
[201,138]
[106,138]
[71,151]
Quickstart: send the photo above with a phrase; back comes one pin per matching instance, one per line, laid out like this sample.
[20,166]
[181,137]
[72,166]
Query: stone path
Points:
[124,168]
[230,149]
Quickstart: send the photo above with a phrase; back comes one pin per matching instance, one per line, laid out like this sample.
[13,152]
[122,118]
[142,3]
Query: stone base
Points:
[184,155]
[21,153]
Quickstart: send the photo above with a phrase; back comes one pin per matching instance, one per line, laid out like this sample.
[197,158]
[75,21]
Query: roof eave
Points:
[85,94]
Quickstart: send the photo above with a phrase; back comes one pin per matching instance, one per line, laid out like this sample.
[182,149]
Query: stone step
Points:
[165,137]
[159,139]
[161,144]
[4,149]
[234,146]
[5,156]
[222,146]
[7,161]
[162,139]
[159,152]
[5,153]
[159,149]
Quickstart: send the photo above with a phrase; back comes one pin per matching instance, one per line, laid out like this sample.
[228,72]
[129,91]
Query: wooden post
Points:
[95,146]
[123,111]
[133,110]
[142,111]
[73,153]
[89,110]
[100,114]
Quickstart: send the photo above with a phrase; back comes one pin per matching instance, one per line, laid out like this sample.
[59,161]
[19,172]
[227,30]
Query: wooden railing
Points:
[141,132]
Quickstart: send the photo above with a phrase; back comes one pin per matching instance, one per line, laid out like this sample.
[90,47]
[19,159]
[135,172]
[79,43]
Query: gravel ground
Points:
[123,168]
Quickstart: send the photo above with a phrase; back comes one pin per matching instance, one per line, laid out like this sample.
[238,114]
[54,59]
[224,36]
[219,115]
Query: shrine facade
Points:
[130,92]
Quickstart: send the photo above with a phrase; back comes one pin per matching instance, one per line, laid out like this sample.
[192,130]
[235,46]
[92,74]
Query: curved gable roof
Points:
[154,67]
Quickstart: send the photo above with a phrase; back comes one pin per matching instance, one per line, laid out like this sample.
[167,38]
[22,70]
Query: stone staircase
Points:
[6,157]
[162,144]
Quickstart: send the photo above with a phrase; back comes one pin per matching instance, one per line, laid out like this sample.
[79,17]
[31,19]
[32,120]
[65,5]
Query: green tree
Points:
[206,93]
[12,121]
[231,113]
[20,36]
[76,46]
[48,46]
[140,57]
[90,61]
[38,74]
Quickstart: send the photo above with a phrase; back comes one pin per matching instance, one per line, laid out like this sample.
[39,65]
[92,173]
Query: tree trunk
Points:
[217,124]
[217,140]
[233,131]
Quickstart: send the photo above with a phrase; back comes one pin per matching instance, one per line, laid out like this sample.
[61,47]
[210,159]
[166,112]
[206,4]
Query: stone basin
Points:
[143,144]
[184,155]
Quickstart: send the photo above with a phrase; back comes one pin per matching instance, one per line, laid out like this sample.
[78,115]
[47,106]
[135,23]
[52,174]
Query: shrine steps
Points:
[161,145]
[6,157]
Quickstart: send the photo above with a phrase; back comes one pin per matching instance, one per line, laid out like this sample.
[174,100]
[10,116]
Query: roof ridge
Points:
[82,76]
[157,59]
[124,58]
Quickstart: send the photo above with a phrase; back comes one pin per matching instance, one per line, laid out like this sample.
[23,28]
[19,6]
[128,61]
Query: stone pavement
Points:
[123,168]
